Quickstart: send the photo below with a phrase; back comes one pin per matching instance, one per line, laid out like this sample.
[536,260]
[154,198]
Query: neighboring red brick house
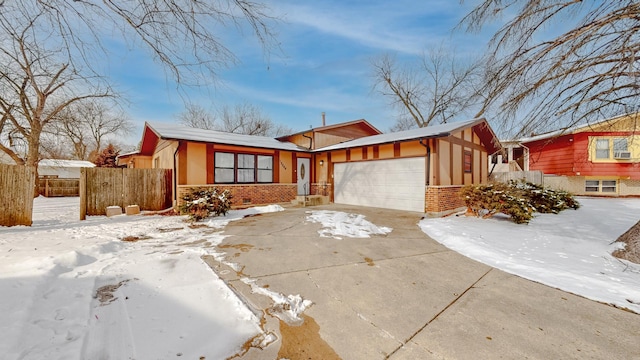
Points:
[349,163]
[598,159]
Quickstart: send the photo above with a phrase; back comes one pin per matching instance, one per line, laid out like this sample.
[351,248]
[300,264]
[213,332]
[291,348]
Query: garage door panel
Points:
[393,184]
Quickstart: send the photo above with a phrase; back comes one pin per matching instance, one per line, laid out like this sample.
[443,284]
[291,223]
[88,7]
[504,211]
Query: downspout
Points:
[175,174]
[426,145]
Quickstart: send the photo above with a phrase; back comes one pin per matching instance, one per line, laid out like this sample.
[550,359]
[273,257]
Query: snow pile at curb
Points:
[286,308]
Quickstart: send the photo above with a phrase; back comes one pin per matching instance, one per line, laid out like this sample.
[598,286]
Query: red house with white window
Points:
[597,159]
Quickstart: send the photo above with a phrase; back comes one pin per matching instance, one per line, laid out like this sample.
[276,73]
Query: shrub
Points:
[519,200]
[486,200]
[201,203]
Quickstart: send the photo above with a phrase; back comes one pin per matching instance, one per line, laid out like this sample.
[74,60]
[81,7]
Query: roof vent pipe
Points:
[323,119]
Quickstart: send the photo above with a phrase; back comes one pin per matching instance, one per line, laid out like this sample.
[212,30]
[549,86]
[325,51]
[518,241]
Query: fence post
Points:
[83,193]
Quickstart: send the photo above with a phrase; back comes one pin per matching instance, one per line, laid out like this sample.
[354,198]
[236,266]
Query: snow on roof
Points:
[66,163]
[572,130]
[419,133]
[180,132]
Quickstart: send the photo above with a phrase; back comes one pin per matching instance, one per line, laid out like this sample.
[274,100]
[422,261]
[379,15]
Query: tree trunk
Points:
[631,239]
[33,157]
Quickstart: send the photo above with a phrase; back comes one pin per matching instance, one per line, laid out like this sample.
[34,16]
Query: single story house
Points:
[351,163]
[62,169]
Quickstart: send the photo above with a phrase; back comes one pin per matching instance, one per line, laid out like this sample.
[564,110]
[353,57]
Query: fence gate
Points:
[16,194]
[151,189]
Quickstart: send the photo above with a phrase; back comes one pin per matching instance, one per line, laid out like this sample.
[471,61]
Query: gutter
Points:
[310,140]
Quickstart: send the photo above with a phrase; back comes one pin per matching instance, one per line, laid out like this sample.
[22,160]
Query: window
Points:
[602,148]
[232,168]
[246,168]
[609,186]
[620,144]
[592,186]
[265,169]
[467,161]
[605,186]
[224,167]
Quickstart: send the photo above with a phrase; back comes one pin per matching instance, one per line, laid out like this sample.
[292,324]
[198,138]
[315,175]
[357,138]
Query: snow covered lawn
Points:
[570,251]
[127,287]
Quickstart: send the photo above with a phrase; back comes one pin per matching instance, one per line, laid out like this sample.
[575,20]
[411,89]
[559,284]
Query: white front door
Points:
[304,173]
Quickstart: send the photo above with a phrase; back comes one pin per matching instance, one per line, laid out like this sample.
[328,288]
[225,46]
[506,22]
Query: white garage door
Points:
[392,184]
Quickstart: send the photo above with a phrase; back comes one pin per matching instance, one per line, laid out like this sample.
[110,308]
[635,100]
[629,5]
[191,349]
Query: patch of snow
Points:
[337,224]
[72,289]
[286,308]
[570,250]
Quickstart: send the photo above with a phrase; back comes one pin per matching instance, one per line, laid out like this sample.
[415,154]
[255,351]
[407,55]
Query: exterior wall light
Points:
[321,162]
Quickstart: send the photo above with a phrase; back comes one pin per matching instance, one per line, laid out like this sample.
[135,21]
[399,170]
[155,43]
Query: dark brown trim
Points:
[365,153]
[276,167]
[396,150]
[210,160]
[436,161]
[451,172]
[376,151]
[294,173]
[464,143]
[348,154]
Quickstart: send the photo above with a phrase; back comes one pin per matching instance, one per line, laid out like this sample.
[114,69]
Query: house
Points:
[63,169]
[350,163]
[596,159]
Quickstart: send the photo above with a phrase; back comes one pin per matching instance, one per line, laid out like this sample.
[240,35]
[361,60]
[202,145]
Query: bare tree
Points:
[52,52]
[85,124]
[437,90]
[35,86]
[242,118]
[545,78]
[198,117]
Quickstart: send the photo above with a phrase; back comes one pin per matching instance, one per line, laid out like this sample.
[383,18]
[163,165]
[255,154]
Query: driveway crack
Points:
[439,313]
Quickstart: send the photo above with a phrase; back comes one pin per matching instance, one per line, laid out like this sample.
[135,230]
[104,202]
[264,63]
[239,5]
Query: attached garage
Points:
[391,184]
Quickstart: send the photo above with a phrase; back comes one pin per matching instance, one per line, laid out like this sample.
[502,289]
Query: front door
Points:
[304,173]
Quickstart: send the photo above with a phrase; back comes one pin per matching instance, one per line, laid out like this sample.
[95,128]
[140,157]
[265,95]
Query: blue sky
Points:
[323,64]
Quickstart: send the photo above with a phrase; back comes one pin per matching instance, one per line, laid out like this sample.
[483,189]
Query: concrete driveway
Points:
[405,296]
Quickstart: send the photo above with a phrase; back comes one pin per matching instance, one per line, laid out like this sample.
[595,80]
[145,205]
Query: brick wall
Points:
[250,194]
[321,189]
[442,199]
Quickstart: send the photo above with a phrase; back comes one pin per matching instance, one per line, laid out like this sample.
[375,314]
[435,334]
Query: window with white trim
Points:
[602,149]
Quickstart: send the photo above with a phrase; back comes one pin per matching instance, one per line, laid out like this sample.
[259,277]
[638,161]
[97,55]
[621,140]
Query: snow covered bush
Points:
[545,200]
[200,203]
[486,200]
[517,199]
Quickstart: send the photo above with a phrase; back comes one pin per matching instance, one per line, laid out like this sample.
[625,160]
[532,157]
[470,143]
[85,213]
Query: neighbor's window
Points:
[224,167]
[265,169]
[605,186]
[592,185]
[602,148]
[620,144]
[467,161]
[246,168]
[609,186]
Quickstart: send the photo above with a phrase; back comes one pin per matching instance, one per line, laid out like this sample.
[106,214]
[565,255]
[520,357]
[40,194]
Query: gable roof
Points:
[350,129]
[435,131]
[607,125]
[153,132]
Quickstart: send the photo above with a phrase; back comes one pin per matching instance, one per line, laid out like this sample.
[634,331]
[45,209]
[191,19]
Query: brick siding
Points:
[250,194]
[441,199]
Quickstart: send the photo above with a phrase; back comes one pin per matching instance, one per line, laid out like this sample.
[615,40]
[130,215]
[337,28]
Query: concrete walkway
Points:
[405,296]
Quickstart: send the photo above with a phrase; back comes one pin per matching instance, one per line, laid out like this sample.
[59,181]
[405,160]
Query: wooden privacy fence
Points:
[102,187]
[16,194]
[52,187]
[536,177]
